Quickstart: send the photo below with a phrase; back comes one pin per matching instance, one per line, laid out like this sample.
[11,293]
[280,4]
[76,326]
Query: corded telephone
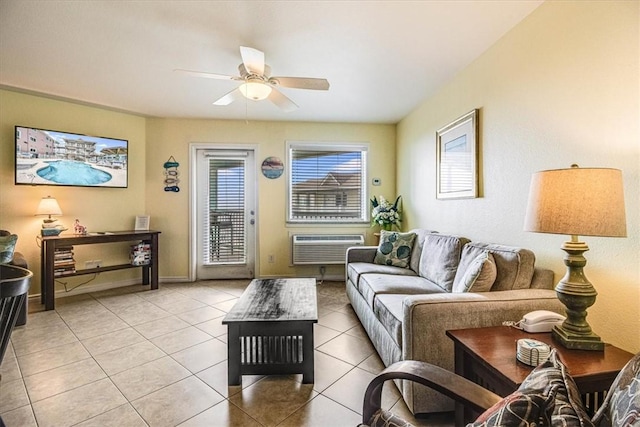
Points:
[540,321]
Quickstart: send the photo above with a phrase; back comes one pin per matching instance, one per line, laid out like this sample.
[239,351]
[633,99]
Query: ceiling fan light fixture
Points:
[255,90]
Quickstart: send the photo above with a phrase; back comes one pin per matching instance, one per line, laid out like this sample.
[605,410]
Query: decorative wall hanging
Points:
[457,158]
[171,174]
[272,167]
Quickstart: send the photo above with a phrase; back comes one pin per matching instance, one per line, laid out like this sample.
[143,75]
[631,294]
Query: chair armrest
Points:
[460,389]
[361,254]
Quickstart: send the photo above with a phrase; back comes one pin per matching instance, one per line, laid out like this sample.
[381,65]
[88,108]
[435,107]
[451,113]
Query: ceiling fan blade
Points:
[282,101]
[207,75]
[229,97]
[253,60]
[301,82]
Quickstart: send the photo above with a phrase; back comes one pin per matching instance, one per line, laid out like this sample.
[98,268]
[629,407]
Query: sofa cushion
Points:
[439,259]
[514,265]
[418,244]
[355,270]
[479,276]
[372,285]
[388,310]
[394,248]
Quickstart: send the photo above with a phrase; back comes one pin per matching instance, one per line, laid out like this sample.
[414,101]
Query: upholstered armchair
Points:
[547,397]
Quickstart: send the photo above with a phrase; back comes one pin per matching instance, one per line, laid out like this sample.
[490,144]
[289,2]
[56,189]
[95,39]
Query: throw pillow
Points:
[621,407]
[551,384]
[395,248]
[479,275]
[7,247]
[522,408]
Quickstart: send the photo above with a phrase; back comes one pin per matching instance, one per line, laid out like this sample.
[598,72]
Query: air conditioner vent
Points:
[323,249]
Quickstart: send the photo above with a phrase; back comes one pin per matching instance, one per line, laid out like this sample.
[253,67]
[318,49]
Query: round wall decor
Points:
[272,167]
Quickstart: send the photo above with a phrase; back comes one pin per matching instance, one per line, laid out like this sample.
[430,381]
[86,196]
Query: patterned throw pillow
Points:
[547,397]
[395,248]
[621,407]
[7,247]
[479,276]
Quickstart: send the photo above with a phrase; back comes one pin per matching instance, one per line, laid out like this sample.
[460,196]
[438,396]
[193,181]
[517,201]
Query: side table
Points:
[487,356]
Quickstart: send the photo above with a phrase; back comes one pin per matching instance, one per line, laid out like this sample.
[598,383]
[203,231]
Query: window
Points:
[327,183]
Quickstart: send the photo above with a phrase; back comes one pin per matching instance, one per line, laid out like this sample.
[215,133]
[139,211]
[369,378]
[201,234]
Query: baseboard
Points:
[85,289]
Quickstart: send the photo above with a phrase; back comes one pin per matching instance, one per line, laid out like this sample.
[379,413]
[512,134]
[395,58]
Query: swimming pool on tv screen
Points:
[73,173]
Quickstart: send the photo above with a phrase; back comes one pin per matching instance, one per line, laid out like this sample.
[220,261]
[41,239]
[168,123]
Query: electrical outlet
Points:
[323,269]
[96,263]
[271,259]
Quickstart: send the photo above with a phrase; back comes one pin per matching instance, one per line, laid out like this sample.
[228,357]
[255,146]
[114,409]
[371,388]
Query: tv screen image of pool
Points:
[48,157]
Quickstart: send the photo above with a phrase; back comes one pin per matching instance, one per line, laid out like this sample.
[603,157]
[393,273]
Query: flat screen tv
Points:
[49,157]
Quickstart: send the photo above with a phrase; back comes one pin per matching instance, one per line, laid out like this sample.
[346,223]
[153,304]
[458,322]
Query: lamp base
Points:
[575,341]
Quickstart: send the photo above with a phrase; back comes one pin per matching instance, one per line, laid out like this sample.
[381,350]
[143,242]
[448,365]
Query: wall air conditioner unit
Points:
[322,249]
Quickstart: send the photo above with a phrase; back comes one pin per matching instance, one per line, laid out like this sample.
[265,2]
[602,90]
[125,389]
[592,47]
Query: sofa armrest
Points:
[361,253]
[542,279]
[427,317]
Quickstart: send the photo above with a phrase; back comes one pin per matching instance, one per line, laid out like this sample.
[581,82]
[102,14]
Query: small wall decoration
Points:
[457,158]
[171,174]
[272,167]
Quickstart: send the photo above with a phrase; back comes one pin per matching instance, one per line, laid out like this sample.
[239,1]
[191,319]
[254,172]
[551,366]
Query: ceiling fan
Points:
[257,82]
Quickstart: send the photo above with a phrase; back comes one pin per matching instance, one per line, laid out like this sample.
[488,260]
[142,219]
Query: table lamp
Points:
[49,206]
[578,202]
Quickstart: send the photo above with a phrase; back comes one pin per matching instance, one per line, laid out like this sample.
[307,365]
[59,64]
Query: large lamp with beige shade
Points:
[577,202]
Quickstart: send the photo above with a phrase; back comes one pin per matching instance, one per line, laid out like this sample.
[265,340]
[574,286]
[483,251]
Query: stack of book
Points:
[63,262]
[141,254]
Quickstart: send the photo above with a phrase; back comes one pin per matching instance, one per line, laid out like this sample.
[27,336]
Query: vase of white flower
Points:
[385,214]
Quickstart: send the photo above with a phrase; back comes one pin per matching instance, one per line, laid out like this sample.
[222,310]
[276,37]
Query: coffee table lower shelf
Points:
[270,348]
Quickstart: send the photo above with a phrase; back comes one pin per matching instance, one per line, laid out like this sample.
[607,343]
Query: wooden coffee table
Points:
[487,356]
[271,329]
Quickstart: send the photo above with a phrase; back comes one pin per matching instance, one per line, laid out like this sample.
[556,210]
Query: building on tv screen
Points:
[45,157]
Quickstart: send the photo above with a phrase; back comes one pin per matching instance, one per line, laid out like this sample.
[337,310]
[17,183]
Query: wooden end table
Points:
[271,329]
[487,356]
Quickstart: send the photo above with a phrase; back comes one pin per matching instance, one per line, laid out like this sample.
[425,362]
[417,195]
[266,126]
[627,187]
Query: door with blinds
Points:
[225,205]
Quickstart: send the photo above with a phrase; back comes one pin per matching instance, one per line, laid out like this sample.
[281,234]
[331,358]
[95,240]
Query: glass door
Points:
[225,214]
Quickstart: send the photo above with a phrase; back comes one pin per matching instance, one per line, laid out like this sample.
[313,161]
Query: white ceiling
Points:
[382,58]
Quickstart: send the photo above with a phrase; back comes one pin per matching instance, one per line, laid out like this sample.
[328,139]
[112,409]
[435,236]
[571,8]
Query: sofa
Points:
[413,287]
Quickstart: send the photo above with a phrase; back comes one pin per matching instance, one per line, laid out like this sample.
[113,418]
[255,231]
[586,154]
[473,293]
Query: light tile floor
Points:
[135,357]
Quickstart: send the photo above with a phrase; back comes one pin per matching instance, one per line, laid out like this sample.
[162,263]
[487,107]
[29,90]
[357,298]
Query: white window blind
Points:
[225,214]
[327,183]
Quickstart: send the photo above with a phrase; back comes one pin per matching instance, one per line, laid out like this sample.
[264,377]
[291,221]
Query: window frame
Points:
[363,148]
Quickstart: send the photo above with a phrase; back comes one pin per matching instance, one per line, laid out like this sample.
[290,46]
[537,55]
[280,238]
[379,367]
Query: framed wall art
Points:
[457,158]
[272,167]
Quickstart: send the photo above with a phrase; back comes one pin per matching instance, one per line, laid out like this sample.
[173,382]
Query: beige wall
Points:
[151,143]
[170,211]
[99,209]
[560,88]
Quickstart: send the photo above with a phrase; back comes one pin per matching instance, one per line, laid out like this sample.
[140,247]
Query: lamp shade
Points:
[48,206]
[578,202]
[255,90]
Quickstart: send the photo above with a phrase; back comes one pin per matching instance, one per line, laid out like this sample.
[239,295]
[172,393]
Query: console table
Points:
[487,356]
[51,243]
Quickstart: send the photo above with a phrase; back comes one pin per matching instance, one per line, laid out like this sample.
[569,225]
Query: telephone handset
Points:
[540,321]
